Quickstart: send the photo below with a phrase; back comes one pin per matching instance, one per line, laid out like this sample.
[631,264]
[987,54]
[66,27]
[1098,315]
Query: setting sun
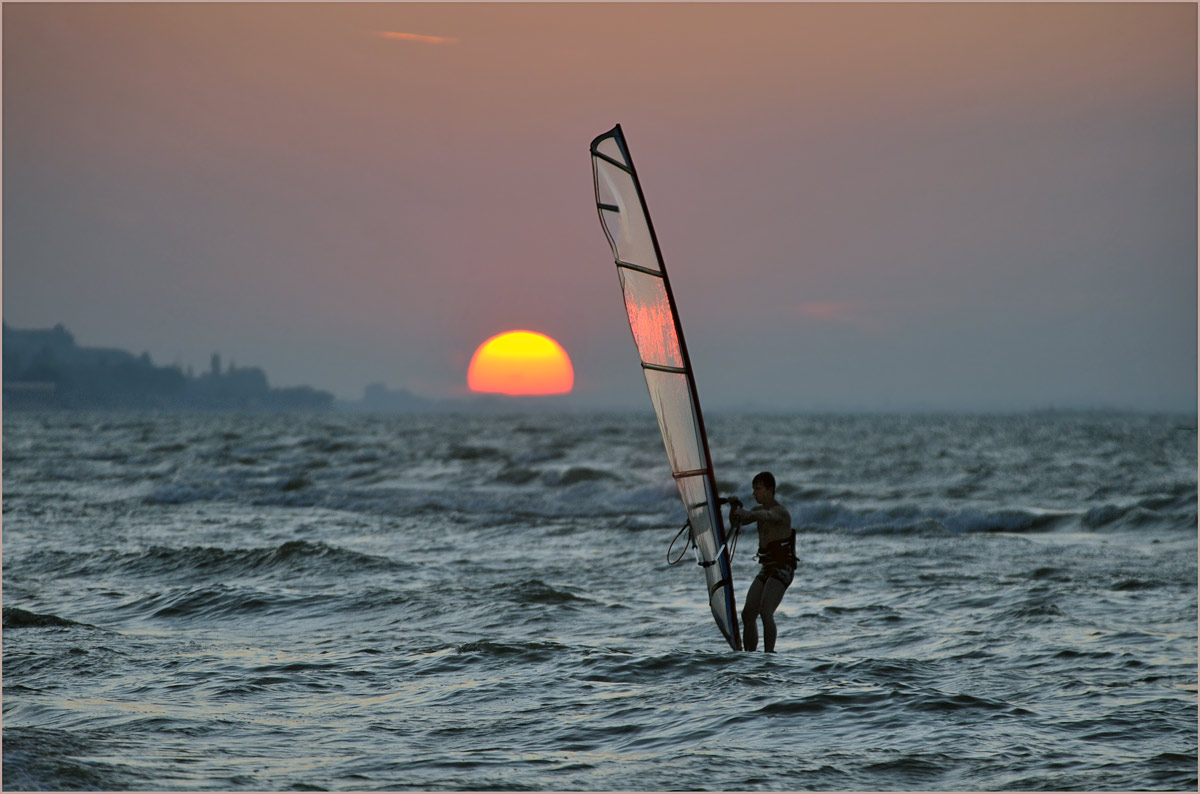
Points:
[521,362]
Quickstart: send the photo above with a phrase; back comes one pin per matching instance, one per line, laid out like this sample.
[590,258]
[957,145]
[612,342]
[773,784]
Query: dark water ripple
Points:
[349,603]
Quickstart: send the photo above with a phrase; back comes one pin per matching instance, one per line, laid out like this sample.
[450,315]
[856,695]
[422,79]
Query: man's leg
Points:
[771,595]
[750,615]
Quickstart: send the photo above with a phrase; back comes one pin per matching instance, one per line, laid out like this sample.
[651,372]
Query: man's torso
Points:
[774,523]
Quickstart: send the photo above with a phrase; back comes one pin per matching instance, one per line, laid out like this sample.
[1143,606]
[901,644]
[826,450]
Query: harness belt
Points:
[778,553]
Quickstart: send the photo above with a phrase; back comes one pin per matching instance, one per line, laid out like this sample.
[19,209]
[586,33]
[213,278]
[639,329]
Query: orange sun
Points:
[521,362]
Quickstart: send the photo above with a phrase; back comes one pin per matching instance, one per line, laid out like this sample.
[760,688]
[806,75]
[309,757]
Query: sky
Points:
[861,206]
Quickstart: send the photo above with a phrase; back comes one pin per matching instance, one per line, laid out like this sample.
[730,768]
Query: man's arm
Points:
[742,515]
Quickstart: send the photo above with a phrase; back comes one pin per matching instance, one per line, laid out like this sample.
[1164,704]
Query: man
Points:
[776,554]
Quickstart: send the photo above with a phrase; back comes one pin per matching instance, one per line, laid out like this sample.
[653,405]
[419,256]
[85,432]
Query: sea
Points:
[293,602]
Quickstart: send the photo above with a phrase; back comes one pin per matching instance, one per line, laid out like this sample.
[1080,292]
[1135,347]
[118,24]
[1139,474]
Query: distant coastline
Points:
[45,369]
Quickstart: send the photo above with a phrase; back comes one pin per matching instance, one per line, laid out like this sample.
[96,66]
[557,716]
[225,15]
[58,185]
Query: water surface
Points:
[407,602]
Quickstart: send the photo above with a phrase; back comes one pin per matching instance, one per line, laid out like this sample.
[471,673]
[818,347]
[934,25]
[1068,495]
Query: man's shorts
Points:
[782,574]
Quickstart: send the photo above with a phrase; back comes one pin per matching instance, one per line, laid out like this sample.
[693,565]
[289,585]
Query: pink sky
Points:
[979,205]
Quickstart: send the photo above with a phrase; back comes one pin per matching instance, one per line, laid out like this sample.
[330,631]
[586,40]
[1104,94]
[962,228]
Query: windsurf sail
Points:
[654,320]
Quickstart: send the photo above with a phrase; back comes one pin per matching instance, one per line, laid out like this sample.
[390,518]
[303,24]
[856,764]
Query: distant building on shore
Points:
[46,369]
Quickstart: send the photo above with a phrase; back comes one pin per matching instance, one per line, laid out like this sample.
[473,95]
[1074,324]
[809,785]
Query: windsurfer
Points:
[776,554]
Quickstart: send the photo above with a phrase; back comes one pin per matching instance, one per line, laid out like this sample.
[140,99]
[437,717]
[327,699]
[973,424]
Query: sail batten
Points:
[658,336]
[605,157]
[639,269]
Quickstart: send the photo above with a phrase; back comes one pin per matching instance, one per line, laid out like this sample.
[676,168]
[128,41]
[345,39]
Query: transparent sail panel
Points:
[694,493]
[672,399]
[609,148]
[627,230]
[651,318]
[697,498]
[722,609]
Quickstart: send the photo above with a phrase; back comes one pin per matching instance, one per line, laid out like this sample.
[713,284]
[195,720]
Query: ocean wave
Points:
[923,521]
[531,651]
[1011,520]
[296,556]
[516,475]
[922,527]
[966,702]
[490,489]
[847,700]
[15,618]
[178,493]
[294,482]
[43,759]
[1050,573]
[1037,608]
[617,667]
[869,613]
[892,670]
[469,452]
[495,483]
[577,474]
[1134,583]
[535,591]
[220,601]
[375,598]
[1145,514]
[901,698]
[575,490]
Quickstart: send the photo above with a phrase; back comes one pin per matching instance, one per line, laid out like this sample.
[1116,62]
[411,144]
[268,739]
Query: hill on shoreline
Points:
[47,369]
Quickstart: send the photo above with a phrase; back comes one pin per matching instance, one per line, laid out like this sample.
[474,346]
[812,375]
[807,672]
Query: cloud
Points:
[391,34]
[865,316]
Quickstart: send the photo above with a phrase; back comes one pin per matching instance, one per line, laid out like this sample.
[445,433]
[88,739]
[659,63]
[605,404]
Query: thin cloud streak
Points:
[396,36]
